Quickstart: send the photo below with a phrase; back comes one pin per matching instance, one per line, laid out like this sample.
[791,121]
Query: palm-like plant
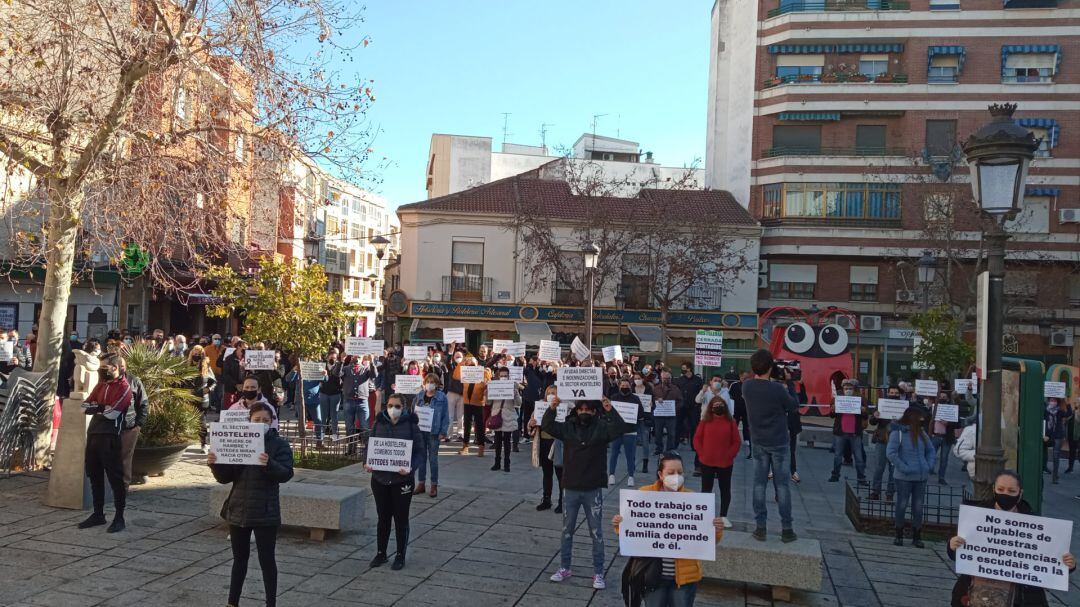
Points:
[173,418]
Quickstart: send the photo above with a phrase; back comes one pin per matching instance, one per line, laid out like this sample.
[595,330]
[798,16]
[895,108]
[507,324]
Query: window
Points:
[944,5]
[568,280]
[467,269]
[940,137]
[874,65]
[354,230]
[799,67]
[333,227]
[800,139]
[1029,67]
[331,257]
[792,281]
[870,139]
[791,290]
[180,105]
[943,69]
[839,201]
[863,280]
[635,281]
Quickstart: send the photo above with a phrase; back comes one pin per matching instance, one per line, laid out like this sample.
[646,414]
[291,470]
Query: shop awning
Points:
[425,323]
[1051,192]
[648,337]
[800,49]
[869,48]
[1030,49]
[1048,124]
[810,116]
[532,332]
[946,50]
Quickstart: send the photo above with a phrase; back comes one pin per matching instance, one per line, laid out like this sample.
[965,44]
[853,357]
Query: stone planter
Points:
[154,461]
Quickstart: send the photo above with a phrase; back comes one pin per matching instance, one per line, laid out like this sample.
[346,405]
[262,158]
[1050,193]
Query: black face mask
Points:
[1006,501]
[106,375]
[585,418]
[250,394]
[624,390]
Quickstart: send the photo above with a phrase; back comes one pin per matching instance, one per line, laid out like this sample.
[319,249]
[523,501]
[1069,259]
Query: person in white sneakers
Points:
[627,441]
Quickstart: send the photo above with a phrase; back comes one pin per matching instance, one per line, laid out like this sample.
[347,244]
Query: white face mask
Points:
[639,383]
[431,387]
[394,412]
[550,397]
[673,482]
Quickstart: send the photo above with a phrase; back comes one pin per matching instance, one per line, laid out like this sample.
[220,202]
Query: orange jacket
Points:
[474,394]
[687,571]
[212,352]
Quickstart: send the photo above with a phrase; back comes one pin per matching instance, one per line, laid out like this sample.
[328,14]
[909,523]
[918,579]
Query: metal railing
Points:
[347,449]
[835,79]
[466,288]
[941,509]
[790,150]
[829,6]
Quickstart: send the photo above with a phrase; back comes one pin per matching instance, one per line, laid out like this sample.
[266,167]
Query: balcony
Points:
[780,151]
[836,204]
[835,79]
[466,288]
[829,6]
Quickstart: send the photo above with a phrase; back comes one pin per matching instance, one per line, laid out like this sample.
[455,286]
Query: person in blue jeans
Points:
[768,403]
[431,403]
[330,393]
[585,434]
[847,434]
[942,435]
[913,455]
[627,443]
[358,374]
[664,425]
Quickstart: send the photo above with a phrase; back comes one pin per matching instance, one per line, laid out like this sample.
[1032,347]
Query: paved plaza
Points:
[480,543]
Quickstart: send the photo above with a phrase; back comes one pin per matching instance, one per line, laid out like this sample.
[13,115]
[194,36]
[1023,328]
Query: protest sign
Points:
[612,353]
[963,386]
[472,374]
[517,374]
[926,387]
[891,408]
[550,350]
[947,413]
[259,360]
[7,351]
[237,443]
[1013,547]
[542,406]
[513,348]
[563,409]
[389,454]
[354,345]
[408,384]
[453,336]
[500,389]
[627,411]
[539,407]
[580,350]
[374,347]
[233,416]
[664,408]
[312,369]
[708,348]
[581,383]
[425,414]
[1053,389]
[417,353]
[667,524]
[646,402]
[848,404]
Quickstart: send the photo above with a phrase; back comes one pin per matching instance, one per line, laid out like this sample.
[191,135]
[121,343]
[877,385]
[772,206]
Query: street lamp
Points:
[590,253]
[927,271]
[998,155]
[380,243]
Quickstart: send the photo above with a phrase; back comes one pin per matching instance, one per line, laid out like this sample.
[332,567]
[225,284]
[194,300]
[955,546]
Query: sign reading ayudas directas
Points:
[667,524]
[580,383]
[1013,547]
[389,454]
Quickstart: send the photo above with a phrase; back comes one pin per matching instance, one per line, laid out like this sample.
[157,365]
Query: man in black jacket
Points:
[134,418]
[585,435]
[689,415]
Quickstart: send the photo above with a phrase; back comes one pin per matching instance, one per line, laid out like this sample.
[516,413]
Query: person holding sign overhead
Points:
[254,505]
[1008,497]
[393,491]
[677,586]
[434,400]
[913,457]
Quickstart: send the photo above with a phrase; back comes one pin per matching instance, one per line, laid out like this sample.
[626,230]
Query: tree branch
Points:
[27,160]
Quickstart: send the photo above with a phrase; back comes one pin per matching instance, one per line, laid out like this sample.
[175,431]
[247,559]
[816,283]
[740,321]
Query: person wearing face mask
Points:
[627,442]
[688,415]
[330,393]
[254,506]
[913,456]
[393,491]
[435,400]
[678,577]
[108,403]
[232,374]
[717,442]
[586,433]
[179,346]
[357,376]
[1008,496]
[455,401]
[943,435]
[880,440]
[202,385]
[507,411]
[666,426]
[475,397]
[847,434]
[1056,419]
[645,425]
[549,451]
[250,396]
[214,352]
[73,339]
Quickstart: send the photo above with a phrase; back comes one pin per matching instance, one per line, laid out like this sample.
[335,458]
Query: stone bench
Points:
[741,558]
[314,506]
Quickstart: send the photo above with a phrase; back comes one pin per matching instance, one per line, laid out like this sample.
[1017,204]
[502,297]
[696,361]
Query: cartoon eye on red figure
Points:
[822,352]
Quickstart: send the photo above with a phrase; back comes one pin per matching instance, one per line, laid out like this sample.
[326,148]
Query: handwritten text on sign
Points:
[581,383]
[667,525]
[425,415]
[237,443]
[1013,547]
[389,454]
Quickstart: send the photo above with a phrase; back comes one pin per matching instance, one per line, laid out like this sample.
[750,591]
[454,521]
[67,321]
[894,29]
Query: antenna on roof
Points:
[543,134]
[506,126]
[618,125]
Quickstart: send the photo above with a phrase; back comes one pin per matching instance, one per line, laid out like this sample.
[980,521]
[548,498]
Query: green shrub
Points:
[173,418]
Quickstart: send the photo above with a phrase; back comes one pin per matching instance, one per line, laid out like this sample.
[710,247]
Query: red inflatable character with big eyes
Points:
[821,347]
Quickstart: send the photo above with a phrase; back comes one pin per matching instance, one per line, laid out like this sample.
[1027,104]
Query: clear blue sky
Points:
[455,66]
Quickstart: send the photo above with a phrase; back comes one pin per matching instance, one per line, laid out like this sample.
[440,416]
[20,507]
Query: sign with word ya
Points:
[259,360]
[550,350]
[667,524]
[237,443]
[891,408]
[926,387]
[472,374]
[408,384]
[581,383]
[848,404]
[501,389]
[708,348]
[513,348]
[389,454]
[453,336]
[1013,547]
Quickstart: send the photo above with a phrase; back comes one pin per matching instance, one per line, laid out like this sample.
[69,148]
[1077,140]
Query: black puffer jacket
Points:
[254,501]
[406,428]
[585,445]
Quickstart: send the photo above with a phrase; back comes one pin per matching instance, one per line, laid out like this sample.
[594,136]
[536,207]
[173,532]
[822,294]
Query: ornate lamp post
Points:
[927,270]
[591,253]
[998,155]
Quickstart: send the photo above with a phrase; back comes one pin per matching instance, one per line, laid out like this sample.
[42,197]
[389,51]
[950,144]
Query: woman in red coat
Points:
[717,442]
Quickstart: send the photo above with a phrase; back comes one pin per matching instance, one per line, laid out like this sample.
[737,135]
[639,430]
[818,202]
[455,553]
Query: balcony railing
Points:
[835,79]
[466,288]
[786,150]
[828,6]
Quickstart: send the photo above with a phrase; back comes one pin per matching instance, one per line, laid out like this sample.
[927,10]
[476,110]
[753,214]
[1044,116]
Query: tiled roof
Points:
[553,198]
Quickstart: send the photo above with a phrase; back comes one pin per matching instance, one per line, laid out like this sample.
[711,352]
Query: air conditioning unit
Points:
[905,296]
[763,266]
[869,323]
[1061,337]
[1068,215]
[844,322]
[762,281]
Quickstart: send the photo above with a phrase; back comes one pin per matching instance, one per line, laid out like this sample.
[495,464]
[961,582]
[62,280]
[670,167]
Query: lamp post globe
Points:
[998,155]
[380,243]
